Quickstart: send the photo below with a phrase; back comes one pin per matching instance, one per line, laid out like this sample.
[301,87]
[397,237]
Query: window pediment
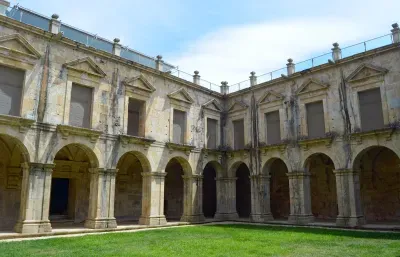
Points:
[366,73]
[18,45]
[238,106]
[85,65]
[270,97]
[212,105]
[139,83]
[182,96]
[311,86]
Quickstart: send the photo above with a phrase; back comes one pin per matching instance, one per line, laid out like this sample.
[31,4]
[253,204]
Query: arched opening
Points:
[128,188]
[209,191]
[12,155]
[70,185]
[279,189]
[243,191]
[173,192]
[323,187]
[379,184]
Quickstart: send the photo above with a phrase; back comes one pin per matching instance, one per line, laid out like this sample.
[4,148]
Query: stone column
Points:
[265,193]
[35,198]
[290,67]
[348,198]
[336,52]
[101,199]
[192,199]
[196,77]
[153,199]
[255,214]
[226,199]
[253,79]
[300,198]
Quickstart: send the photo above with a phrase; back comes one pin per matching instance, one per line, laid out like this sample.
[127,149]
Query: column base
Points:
[153,220]
[226,216]
[258,218]
[193,218]
[267,217]
[33,227]
[300,219]
[350,221]
[101,223]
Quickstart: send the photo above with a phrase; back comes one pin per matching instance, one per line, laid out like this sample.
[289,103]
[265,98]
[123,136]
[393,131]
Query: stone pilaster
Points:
[265,195]
[35,199]
[348,198]
[226,199]
[101,200]
[192,199]
[153,199]
[255,214]
[300,198]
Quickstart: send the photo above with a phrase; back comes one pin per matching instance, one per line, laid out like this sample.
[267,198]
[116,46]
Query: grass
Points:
[215,240]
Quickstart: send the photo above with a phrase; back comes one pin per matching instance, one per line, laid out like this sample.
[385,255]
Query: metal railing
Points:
[316,61]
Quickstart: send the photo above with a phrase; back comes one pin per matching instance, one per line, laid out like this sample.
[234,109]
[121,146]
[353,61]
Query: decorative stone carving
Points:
[127,139]
[366,73]
[307,143]
[139,85]
[179,147]
[212,105]
[67,130]
[85,65]
[18,48]
[23,123]
[385,133]
[238,106]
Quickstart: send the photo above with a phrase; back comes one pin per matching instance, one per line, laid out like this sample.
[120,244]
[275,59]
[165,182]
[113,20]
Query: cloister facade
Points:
[88,137]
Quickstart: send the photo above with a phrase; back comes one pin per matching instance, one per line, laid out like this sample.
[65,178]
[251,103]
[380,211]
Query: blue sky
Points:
[225,40]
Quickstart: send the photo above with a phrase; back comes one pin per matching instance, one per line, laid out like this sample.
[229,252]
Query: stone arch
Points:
[215,165]
[362,150]
[279,191]
[232,169]
[212,170]
[334,158]
[93,152]
[321,168]
[13,155]
[128,186]
[243,188]
[379,175]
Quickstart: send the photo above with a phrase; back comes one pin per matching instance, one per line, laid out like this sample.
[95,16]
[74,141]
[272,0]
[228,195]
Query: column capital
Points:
[195,176]
[345,172]
[38,166]
[154,174]
[298,174]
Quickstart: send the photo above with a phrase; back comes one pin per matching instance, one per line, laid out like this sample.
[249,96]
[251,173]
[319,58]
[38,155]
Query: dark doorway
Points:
[173,194]
[209,191]
[59,197]
[280,199]
[243,191]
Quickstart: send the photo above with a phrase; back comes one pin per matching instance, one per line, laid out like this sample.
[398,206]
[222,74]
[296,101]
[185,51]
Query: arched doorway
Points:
[379,184]
[209,190]
[70,185]
[243,191]
[174,190]
[322,187]
[279,189]
[128,187]
[12,155]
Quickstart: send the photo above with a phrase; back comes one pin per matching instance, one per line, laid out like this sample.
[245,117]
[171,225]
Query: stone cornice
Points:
[23,123]
[127,139]
[180,147]
[307,143]
[67,130]
[386,133]
[268,148]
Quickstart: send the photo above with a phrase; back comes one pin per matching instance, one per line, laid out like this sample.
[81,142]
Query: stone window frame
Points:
[365,83]
[180,100]
[14,58]
[265,106]
[215,114]
[237,111]
[138,88]
[307,96]
[84,78]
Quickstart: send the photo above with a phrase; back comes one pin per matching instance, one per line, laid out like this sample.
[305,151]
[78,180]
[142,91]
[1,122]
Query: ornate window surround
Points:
[237,111]
[212,109]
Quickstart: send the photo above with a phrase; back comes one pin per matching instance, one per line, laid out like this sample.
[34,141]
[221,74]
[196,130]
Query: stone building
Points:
[90,137]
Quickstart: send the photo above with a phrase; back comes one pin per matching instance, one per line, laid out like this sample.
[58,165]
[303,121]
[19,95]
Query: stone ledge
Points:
[306,143]
[180,147]
[128,139]
[386,133]
[281,147]
[67,130]
[23,123]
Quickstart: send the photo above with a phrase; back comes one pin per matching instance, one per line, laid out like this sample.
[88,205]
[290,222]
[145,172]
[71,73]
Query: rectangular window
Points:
[81,106]
[371,109]
[136,117]
[179,127]
[11,84]
[211,133]
[238,134]
[273,128]
[315,120]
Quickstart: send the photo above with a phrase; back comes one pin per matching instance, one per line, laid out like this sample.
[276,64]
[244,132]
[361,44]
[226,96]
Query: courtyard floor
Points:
[215,240]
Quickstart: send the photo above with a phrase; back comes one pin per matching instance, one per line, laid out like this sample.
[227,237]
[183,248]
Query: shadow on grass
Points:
[318,231]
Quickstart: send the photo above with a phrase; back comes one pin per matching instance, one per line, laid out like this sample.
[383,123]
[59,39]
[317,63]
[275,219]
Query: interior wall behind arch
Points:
[280,195]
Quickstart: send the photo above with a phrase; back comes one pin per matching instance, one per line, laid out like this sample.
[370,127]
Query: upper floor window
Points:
[179,123]
[273,127]
[371,109]
[11,84]
[81,106]
[238,134]
[212,133]
[315,119]
[136,117]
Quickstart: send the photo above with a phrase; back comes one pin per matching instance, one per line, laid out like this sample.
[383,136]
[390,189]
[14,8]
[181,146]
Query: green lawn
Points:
[215,240]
